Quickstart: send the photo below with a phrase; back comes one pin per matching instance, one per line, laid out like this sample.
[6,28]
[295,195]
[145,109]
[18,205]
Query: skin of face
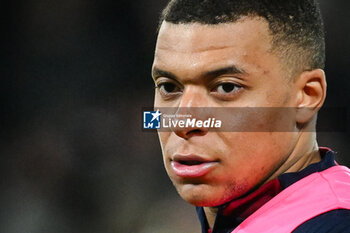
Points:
[184,55]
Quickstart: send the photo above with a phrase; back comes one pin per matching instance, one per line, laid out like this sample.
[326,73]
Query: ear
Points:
[311,88]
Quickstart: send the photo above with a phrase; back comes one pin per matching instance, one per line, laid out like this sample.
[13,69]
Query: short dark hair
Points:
[296,26]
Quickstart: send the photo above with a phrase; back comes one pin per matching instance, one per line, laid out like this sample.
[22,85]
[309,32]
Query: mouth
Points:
[192,165]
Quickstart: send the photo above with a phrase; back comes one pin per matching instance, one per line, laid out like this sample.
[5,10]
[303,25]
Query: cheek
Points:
[163,139]
[169,147]
[158,102]
[156,97]
[255,155]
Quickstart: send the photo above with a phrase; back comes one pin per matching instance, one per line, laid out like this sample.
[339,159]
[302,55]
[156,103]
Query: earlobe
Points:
[312,88]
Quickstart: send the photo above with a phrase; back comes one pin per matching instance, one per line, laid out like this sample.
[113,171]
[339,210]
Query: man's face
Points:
[225,65]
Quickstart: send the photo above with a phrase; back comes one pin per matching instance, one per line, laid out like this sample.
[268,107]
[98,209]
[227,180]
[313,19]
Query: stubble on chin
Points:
[213,197]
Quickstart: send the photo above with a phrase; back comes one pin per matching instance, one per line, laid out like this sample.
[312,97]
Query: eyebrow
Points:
[232,69]
[162,73]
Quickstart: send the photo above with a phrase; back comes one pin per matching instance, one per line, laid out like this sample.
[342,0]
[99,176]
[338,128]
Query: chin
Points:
[202,201]
[207,201]
[199,197]
[204,195]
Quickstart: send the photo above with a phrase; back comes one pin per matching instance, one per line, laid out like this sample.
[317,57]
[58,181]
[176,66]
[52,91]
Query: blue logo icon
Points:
[151,119]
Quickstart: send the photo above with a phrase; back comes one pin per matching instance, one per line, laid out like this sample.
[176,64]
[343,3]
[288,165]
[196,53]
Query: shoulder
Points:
[335,221]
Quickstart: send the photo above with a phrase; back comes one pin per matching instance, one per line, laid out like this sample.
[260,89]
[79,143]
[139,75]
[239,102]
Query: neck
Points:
[305,153]
[210,213]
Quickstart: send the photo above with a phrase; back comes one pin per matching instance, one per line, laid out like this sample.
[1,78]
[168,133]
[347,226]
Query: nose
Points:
[194,97]
[193,101]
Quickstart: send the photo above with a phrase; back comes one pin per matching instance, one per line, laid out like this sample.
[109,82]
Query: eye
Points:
[168,89]
[227,88]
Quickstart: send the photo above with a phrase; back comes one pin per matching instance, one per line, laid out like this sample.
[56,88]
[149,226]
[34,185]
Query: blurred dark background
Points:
[75,75]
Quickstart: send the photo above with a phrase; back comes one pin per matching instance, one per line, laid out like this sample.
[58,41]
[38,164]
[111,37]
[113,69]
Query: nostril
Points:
[187,133]
[198,132]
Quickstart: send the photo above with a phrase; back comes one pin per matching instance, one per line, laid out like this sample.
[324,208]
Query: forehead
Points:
[193,47]
[197,37]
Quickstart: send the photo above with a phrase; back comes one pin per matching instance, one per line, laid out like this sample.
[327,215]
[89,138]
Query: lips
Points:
[191,165]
